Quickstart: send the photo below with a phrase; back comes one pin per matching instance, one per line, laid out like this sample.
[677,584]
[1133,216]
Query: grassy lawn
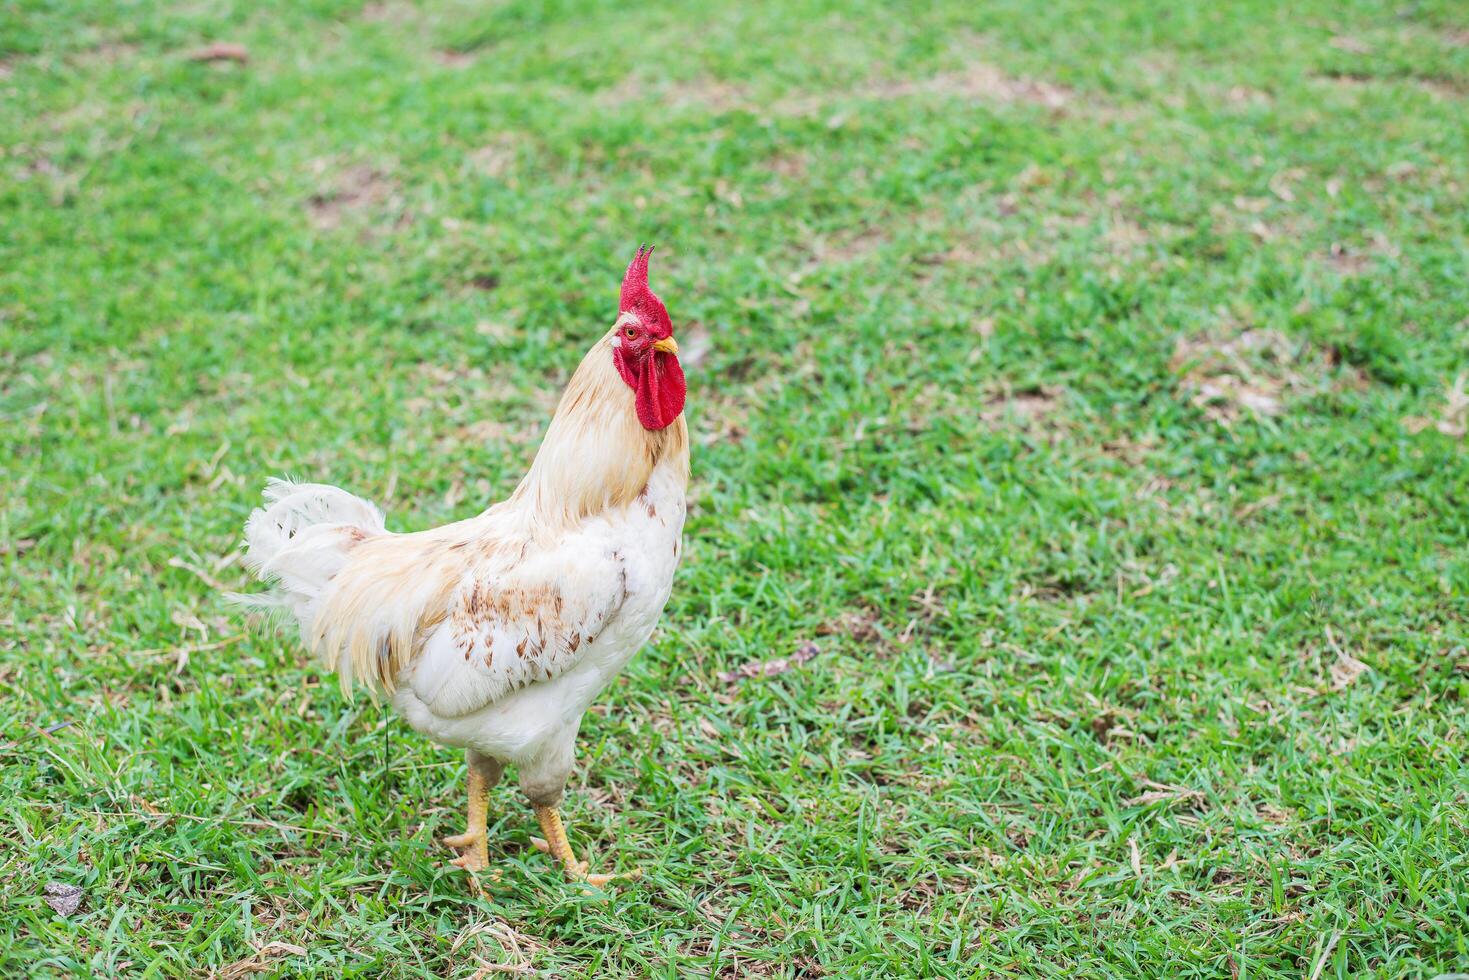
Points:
[1078,388]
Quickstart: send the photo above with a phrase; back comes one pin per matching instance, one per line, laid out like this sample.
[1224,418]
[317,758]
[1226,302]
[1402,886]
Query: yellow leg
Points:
[473,843]
[559,848]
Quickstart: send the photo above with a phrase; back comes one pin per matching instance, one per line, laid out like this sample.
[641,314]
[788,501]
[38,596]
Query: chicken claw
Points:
[475,856]
[556,845]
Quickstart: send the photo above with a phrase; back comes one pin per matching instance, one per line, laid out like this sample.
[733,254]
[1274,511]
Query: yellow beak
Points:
[667,345]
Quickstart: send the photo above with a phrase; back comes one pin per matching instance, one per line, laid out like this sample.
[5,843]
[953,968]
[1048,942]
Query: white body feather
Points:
[495,633]
[467,688]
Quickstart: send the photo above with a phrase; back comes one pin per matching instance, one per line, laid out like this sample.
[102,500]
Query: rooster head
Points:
[644,350]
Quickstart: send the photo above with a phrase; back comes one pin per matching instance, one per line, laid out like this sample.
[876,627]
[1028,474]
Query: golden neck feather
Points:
[596,455]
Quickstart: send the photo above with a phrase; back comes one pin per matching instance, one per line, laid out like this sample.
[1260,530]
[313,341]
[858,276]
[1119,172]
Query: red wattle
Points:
[660,390]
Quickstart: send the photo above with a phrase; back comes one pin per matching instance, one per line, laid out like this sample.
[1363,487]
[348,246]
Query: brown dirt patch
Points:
[354,190]
[1027,406]
[789,164]
[220,51]
[1356,259]
[450,58]
[1346,262]
[1347,80]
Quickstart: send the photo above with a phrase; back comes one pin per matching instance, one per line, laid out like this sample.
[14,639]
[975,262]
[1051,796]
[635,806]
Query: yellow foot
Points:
[577,870]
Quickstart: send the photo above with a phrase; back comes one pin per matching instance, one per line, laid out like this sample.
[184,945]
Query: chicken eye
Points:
[629,332]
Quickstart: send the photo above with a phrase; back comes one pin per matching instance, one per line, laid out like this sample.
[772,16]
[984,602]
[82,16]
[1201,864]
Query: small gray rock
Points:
[63,899]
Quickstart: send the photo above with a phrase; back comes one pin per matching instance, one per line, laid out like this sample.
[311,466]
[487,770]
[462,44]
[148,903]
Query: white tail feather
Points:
[299,540]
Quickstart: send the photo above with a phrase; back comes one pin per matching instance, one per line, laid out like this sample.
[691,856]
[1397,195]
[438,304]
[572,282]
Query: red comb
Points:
[635,283]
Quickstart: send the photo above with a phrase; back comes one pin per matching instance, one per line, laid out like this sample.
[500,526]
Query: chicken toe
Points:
[477,858]
[556,844]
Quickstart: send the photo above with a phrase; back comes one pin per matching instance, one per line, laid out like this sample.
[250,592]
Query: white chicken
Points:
[495,634]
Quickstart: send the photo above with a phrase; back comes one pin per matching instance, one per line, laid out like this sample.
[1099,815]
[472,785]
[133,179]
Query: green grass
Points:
[1079,378]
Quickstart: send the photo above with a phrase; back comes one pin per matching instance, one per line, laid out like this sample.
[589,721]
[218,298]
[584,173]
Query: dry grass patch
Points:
[838,248]
[850,246]
[389,12]
[792,165]
[1453,415]
[1124,236]
[723,420]
[1442,89]
[862,625]
[1242,96]
[982,82]
[986,243]
[770,668]
[497,157]
[106,53]
[1235,370]
[978,82]
[712,94]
